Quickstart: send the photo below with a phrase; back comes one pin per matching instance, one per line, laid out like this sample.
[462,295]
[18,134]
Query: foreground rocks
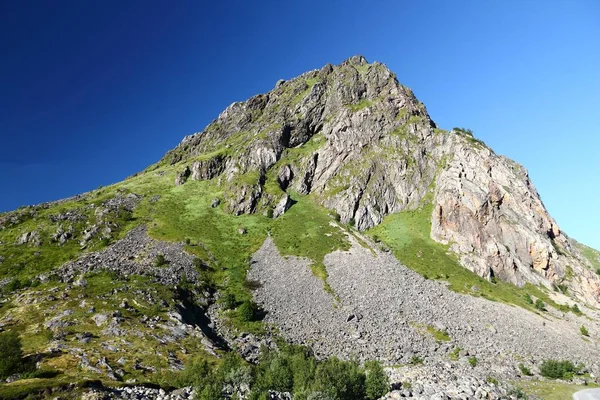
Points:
[136,254]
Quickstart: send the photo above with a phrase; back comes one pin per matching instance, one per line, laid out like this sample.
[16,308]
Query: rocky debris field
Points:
[137,254]
[382,310]
[138,393]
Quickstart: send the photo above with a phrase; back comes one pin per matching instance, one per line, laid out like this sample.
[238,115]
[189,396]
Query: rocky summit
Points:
[325,240]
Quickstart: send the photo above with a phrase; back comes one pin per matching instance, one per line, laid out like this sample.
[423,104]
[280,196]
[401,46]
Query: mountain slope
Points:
[133,281]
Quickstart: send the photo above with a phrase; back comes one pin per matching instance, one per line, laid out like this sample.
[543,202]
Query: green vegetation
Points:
[524,370]
[439,335]
[555,369]
[549,390]
[11,354]
[492,380]
[584,331]
[293,369]
[360,105]
[591,255]
[454,354]
[540,305]
[473,361]
[416,360]
[407,234]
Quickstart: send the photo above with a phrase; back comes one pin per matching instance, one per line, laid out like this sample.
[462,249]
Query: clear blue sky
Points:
[91,92]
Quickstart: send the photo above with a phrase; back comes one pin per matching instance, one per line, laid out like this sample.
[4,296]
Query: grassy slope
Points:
[549,390]
[408,235]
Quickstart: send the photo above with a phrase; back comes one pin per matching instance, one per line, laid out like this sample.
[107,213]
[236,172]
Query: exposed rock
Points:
[182,176]
[215,203]
[366,147]
[282,206]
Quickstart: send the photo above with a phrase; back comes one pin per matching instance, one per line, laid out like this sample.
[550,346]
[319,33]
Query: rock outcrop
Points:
[364,146]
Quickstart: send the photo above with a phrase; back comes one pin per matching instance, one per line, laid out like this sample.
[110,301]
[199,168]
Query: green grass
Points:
[548,390]
[407,235]
[592,255]
[360,105]
[439,335]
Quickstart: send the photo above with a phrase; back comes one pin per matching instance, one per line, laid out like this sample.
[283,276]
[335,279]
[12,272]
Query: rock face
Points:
[363,145]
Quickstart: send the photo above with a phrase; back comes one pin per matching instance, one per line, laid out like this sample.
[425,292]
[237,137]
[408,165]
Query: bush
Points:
[416,360]
[229,302]
[340,379]
[584,331]
[576,309]
[377,383]
[473,361]
[248,311]
[554,369]
[11,354]
[540,305]
[160,261]
[528,299]
[524,370]
[492,380]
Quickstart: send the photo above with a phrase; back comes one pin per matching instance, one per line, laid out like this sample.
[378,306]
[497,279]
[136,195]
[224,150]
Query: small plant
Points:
[576,309]
[352,222]
[518,393]
[454,354]
[416,360]
[160,261]
[540,305]
[187,241]
[252,284]
[528,299]
[584,331]
[492,380]
[248,311]
[473,361]
[598,271]
[524,370]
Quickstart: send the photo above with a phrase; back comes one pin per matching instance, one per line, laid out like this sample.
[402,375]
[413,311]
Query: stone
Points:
[282,206]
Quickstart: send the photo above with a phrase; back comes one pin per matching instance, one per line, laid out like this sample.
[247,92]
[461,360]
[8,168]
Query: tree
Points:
[11,354]
[377,383]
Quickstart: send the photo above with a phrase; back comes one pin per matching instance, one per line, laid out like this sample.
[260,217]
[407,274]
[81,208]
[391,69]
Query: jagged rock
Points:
[282,206]
[182,176]
[366,147]
[215,203]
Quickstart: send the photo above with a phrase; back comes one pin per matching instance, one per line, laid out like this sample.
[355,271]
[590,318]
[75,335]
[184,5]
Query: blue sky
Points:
[91,92]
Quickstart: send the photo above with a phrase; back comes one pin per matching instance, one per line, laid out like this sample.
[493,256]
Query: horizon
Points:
[82,114]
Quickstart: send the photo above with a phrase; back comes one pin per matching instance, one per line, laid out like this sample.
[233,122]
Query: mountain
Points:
[330,212]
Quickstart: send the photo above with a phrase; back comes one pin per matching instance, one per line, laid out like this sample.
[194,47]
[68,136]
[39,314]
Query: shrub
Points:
[187,241]
[340,379]
[540,305]
[598,271]
[160,261]
[528,298]
[524,370]
[584,331]
[248,311]
[492,380]
[473,361]
[11,354]
[352,222]
[555,369]
[229,301]
[416,360]
[576,309]
[454,354]
[377,383]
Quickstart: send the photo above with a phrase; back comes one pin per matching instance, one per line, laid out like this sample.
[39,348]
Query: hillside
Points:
[335,204]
